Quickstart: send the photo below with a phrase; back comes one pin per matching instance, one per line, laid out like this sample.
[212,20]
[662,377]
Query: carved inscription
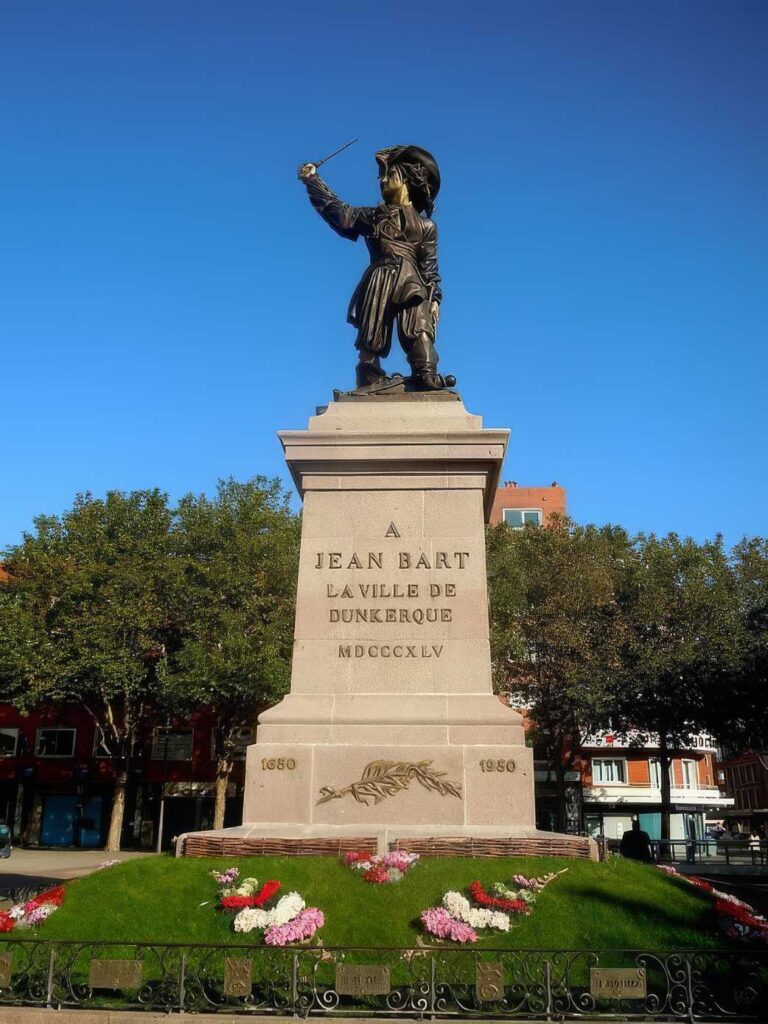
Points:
[362,980]
[271,764]
[115,974]
[381,779]
[237,976]
[421,603]
[6,969]
[500,765]
[390,650]
[617,982]
[489,982]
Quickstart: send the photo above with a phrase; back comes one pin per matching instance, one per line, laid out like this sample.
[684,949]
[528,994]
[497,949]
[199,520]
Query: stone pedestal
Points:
[391,728]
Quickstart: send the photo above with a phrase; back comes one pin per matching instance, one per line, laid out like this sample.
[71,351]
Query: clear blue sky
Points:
[168,299]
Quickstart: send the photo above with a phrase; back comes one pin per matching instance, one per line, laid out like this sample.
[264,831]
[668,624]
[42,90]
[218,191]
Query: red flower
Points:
[237,902]
[376,875]
[7,923]
[267,891]
[479,895]
[728,909]
[355,856]
[700,883]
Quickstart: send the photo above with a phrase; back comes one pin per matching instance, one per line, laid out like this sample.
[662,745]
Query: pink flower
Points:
[303,926]
[437,921]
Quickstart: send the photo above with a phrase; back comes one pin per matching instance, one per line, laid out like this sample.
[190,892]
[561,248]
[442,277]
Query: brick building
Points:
[621,780]
[57,786]
[745,779]
[517,506]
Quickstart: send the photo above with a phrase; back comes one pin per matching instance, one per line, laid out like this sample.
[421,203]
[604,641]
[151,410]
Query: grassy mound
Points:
[615,905]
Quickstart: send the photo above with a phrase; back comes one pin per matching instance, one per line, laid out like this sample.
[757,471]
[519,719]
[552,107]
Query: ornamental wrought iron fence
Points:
[425,982]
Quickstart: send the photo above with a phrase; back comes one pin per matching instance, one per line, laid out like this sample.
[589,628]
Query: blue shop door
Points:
[70,820]
[58,828]
[90,827]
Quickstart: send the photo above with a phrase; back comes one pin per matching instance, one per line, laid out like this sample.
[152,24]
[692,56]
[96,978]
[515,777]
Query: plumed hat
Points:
[419,169]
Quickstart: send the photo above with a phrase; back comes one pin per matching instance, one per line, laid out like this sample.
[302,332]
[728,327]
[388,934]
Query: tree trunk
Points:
[562,818]
[666,791]
[223,769]
[118,810]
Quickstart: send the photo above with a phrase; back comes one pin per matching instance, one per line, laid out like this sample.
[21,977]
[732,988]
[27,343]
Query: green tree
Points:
[555,630]
[87,619]
[239,557]
[683,645]
[742,712]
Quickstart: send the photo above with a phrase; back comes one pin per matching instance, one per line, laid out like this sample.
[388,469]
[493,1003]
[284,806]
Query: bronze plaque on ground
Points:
[617,982]
[362,980]
[489,982]
[115,974]
[237,976]
[6,969]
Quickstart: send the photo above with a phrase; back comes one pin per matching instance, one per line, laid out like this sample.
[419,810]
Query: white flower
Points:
[255,919]
[458,906]
[288,907]
[251,918]
[248,887]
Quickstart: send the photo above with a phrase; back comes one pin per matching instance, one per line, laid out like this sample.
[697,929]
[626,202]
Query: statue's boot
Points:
[368,370]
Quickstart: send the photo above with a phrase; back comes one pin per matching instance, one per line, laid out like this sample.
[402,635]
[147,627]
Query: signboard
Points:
[617,982]
[237,976]
[6,968]
[362,980]
[489,982]
[633,739]
[115,974]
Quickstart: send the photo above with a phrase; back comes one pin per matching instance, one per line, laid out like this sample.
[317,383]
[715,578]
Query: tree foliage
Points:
[684,643]
[239,559]
[556,629]
[87,618]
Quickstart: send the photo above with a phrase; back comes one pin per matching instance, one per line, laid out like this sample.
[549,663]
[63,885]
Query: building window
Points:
[517,518]
[9,741]
[690,775]
[654,770]
[172,745]
[607,771]
[243,739]
[55,743]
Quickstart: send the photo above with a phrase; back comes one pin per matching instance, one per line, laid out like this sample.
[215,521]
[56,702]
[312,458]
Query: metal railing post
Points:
[182,981]
[432,988]
[295,984]
[689,979]
[548,983]
[49,984]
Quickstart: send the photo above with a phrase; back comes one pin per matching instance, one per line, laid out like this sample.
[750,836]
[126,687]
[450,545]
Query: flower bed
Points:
[33,912]
[380,870]
[288,920]
[458,920]
[739,920]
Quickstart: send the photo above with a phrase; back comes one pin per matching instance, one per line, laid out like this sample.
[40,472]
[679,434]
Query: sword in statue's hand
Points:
[308,169]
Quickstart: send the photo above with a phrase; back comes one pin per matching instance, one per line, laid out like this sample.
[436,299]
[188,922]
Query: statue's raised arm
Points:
[402,283]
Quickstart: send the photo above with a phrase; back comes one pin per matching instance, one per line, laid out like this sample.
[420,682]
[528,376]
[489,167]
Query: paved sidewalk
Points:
[27,867]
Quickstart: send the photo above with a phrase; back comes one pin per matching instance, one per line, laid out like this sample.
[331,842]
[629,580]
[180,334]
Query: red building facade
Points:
[57,785]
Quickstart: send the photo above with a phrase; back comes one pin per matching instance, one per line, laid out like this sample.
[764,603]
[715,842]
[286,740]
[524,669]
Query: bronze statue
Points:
[402,282]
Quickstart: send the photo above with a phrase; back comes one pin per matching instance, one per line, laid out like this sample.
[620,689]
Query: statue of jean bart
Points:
[402,282]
